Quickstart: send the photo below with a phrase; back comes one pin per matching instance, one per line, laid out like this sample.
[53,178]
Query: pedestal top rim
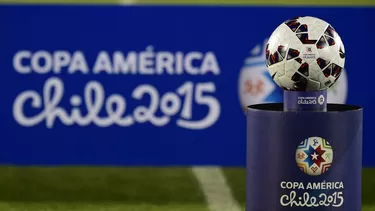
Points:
[278,108]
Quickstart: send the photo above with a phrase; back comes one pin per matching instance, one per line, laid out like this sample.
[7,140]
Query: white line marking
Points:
[218,194]
[127,2]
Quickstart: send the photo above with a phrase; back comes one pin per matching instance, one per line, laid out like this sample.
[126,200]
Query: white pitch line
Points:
[218,194]
[127,2]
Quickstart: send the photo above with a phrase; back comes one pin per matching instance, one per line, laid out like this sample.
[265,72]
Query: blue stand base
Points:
[304,160]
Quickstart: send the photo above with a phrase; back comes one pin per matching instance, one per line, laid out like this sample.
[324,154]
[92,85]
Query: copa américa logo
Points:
[256,86]
[314,156]
[94,103]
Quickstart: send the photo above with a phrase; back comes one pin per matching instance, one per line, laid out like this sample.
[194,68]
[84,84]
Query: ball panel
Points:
[295,42]
[278,81]
[286,82]
[314,70]
[321,23]
[307,20]
[278,69]
[325,82]
[315,31]
[325,53]
[280,32]
[339,61]
[273,43]
[291,66]
[332,80]
[313,85]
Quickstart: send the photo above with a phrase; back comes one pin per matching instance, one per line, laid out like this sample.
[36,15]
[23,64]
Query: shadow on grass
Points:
[82,184]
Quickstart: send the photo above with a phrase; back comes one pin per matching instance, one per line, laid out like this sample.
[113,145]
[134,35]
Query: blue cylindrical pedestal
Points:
[304,160]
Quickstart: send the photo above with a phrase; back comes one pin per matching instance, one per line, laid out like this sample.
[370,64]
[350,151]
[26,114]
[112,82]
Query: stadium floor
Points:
[115,189]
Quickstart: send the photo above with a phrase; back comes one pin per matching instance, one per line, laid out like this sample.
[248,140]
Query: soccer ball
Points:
[305,54]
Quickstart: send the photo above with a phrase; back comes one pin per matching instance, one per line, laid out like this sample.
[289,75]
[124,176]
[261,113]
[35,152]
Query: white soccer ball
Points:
[305,54]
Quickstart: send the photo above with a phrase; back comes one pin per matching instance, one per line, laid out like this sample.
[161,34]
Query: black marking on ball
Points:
[273,58]
[322,43]
[322,63]
[299,60]
[292,24]
[338,76]
[296,77]
[297,17]
[330,31]
[330,40]
[302,28]
[304,37]
[282,50]
[328,82]
[327,71]
[304,69]
[336,70]
[300,82]
[292,53]
[342,53]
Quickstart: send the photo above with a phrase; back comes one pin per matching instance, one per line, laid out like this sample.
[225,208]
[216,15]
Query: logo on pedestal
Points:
[321,99]
[314,156]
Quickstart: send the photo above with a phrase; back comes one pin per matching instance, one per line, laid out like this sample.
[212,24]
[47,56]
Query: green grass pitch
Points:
[121,189]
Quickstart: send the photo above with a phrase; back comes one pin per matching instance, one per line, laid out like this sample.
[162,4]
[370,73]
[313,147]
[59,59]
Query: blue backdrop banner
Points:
[152,85]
